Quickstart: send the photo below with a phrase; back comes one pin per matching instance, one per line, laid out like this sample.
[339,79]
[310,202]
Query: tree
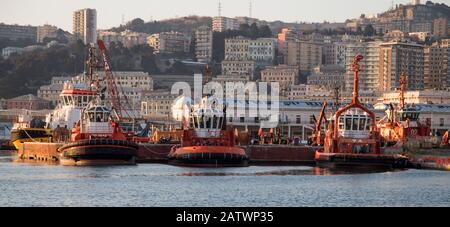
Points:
[254,31]
[264,31]
[369,30]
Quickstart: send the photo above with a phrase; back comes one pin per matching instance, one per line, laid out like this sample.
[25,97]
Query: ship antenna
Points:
[403,82]
[356,68]
[336,98]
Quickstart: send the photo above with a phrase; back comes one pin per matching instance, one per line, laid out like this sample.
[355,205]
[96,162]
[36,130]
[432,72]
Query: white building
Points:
[8,51]
[221,24]
[169,42]
[262,51]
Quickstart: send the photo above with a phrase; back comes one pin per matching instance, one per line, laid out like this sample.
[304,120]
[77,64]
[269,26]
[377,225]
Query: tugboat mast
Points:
[402,90]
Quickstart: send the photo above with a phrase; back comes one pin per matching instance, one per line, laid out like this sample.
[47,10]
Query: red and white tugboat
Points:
[352,138]
[402,124]
[97,138]
[207,140]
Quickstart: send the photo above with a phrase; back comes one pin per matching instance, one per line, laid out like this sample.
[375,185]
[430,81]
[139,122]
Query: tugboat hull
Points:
[204,156]
[99,152]
[20,136]
[334,160]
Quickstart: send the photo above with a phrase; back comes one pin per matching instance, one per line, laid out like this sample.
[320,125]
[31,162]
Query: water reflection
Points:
[313,171]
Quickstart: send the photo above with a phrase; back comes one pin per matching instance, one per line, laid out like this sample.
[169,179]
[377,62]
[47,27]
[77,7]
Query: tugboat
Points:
[352,138]
[207,141]
[75,96]
[27,129]
[97,140]
[402,124]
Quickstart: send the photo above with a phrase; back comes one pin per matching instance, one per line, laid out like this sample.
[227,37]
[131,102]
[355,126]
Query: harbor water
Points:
[32,184]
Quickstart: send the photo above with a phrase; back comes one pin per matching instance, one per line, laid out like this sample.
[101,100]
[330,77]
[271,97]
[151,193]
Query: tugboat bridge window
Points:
[354,123]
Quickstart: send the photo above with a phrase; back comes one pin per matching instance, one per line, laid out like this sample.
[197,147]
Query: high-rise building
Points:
[397,58]
[370,63]
[44,31]
[203,44]
[340,51]
[436,65]
[85,25]
[328,54]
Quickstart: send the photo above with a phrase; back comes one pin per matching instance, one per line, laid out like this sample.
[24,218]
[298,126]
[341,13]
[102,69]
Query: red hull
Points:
[360,160]
[208,156]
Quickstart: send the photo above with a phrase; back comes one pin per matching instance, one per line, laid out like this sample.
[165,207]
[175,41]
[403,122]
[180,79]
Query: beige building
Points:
[328,77]
[44,31]
[261,51]
[436,66]
[85,25]
[52,91]
[285,75]
[297,92]
[246,68]
[285,35]
[157,105]
[441,27]
[224,79]
[204,44]
[397,58]
[329,54]
[130,38]
[237,49]
[304,54]
[221,24]
[417,97]
[109,37]
[169,42]
[369,76]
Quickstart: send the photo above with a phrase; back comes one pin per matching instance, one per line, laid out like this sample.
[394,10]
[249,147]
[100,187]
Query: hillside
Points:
[182,24]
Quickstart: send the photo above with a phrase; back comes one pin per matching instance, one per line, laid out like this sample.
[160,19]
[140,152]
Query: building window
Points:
[441,122]
[298,119]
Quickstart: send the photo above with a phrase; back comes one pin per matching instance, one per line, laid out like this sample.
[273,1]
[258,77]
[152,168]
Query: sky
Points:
[111,12]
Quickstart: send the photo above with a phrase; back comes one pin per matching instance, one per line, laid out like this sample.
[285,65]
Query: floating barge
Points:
[158,153]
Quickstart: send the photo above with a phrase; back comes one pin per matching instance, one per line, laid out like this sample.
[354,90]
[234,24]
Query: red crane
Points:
[111,84]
